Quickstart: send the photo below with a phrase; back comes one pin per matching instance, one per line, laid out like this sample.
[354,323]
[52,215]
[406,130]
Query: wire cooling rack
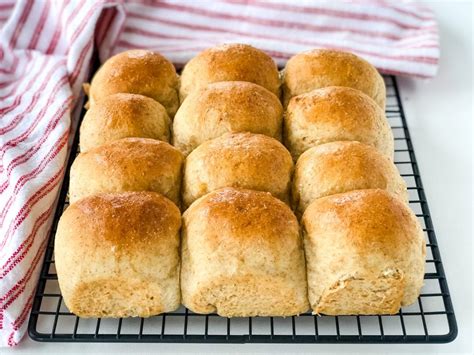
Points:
[430,320]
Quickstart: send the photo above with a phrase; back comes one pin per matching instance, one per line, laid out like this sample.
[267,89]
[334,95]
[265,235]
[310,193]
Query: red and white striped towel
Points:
[45,52]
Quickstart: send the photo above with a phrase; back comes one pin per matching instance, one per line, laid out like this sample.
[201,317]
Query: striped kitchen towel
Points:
[397,38]
[45,52]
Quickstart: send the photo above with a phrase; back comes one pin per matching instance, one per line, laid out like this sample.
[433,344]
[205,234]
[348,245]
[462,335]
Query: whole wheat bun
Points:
[230,62]
[246,160]
[365,253]
[338,167]
[219,108]
[335,114]
[242,256]
[123,115]
[140,72]
[117,255]
[319,68]
[128,164]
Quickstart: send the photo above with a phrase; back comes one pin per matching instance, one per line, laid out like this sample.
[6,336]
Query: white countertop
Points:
[439,114]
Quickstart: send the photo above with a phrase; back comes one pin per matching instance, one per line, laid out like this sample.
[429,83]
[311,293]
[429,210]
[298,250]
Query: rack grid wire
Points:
[430,320]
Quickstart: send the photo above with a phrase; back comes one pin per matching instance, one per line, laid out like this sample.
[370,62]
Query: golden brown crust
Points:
[151,215]
[242,256]
[366,235]
[246,160]
[137,72]
[121,116]
[128,164]
[376,219]
[108,268]
[225,107]
[242,214]
[230,62]
[320,68]
[335,114]
[338,167]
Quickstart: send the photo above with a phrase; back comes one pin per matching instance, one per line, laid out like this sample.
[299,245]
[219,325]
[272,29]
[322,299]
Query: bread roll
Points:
[226,107]
[121,116]
[319,68]
[251,161]
[338,167]
[230,62]
[365,253]
[137,72]
[128,164]
[335,114]
[117,255]
[242,256]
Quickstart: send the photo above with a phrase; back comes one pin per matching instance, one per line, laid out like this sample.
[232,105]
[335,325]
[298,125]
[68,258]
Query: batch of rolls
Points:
[287,205]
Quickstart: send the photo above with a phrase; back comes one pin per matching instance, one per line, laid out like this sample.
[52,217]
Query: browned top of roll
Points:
[123,115]
[336,113]
[369,220]
[127,221]
[219,108]
[138,72]
[242,214]
[319,68]
[252,161]
[338,167]
[230,62]
[128,164]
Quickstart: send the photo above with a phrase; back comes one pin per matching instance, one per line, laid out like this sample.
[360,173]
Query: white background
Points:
[440,115]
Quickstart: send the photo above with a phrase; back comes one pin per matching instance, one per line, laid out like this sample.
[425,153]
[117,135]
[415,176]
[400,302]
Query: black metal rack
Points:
[430,320]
